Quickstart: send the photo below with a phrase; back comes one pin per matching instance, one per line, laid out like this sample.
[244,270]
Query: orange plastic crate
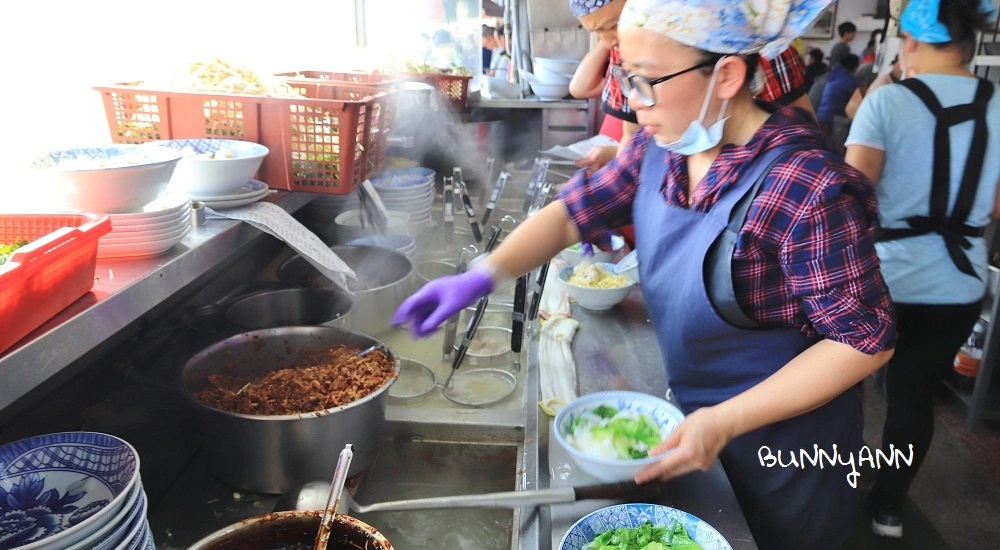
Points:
[52,271]
[454,89]
[384,109]
[317,144]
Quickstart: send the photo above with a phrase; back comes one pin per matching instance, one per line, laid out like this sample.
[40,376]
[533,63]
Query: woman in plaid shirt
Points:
[777,365]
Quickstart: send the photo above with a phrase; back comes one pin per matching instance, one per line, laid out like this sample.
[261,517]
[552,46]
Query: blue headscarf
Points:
[586,7]
[920,20]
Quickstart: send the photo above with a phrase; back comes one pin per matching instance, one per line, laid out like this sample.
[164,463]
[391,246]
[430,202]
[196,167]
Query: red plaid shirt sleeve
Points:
[784,78]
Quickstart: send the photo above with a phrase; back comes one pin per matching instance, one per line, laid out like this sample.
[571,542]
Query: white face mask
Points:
[696,138]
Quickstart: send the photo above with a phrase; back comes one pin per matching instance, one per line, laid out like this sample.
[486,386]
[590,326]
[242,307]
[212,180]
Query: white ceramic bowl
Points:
[596,299]
[548,92]
[633,515]
[559,65]
[500,89]
[203,172]
[115,179]
[575,255]
[61,488]
[546,75]
[663,413]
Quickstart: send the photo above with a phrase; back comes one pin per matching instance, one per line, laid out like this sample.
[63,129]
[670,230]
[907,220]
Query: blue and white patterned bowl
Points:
[116,179]
[633,515]
[58,489]
[203,177]
[661,411]
[403,178]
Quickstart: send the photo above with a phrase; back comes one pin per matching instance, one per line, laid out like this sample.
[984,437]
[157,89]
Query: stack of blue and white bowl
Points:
[409,190]
[72,490]
[405,192]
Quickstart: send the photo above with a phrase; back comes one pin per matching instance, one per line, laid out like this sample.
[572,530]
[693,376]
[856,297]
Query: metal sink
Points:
[412,466]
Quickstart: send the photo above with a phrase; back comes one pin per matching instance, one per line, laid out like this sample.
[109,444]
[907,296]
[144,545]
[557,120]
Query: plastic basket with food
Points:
[319,138]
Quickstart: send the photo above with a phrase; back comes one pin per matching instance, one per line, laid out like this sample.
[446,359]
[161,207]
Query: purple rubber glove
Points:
[441,298]
[588,249]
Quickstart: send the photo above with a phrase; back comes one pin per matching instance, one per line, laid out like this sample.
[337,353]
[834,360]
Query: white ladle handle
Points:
[339,479]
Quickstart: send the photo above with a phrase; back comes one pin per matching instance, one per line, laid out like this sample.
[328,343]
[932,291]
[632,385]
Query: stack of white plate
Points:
[409,190]
[250,193]
[162,224]
[93,496]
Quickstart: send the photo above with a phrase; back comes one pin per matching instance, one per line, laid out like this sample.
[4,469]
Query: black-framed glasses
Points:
[638,84]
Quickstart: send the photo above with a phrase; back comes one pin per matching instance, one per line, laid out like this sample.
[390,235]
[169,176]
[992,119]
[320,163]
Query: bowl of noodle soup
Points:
[595,286]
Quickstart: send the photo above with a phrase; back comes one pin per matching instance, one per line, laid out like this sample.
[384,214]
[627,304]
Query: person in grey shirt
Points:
[847,32]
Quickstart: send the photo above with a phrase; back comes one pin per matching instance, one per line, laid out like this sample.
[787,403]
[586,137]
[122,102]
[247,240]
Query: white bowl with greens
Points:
[609,434]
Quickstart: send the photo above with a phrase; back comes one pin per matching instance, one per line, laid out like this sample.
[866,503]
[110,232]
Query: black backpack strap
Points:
[951,227]
[718,267]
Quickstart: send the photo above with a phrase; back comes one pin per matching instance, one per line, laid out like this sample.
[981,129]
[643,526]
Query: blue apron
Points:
[709,360]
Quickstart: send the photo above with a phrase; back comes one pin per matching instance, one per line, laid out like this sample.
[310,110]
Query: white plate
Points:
[168,204]
[144,236]
[253,187]
[234,203]
[149,220]
[149,248]
[184,216]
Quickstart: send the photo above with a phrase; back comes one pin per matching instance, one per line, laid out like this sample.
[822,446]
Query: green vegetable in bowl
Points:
[607,433]
[645,537]
[6,250]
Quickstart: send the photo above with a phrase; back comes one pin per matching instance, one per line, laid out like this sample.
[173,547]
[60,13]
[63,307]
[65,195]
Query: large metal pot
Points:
[385,279]
[293,529]
[290,306]
[272,454]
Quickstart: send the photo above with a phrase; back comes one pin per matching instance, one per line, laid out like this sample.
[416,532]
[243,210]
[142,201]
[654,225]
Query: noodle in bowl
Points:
[595,286]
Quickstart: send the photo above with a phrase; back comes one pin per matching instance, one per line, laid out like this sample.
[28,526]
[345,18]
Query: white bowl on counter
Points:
[594,299]
[498,88]
[548,76]
[114,179]
[558,65]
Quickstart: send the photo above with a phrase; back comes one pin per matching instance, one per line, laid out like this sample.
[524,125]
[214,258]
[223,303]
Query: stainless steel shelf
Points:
[125,289]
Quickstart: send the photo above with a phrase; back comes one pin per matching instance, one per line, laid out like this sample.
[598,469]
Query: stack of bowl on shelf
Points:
[130,183]
[551,77]
[409,190]
[75,491]
[406,193]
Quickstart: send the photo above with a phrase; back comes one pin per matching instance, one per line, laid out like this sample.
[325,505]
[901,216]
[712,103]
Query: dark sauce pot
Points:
[293,530]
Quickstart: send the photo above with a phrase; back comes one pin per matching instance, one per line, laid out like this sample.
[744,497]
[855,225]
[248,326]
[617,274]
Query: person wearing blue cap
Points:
[756,248]
[931,144]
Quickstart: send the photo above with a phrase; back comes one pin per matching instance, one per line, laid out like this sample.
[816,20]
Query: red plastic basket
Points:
[384,97]
[454,89]
[317,144]
[52,271]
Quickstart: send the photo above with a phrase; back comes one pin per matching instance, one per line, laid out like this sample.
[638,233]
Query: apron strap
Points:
[718,267]
[951,227]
